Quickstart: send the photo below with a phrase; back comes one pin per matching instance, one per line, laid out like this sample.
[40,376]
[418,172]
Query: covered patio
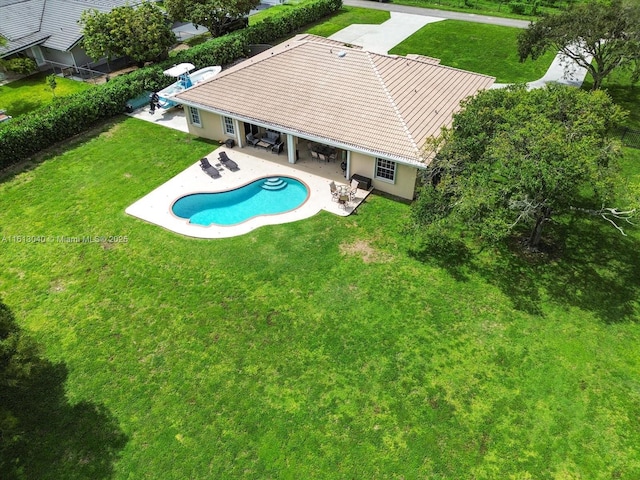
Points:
[309,156]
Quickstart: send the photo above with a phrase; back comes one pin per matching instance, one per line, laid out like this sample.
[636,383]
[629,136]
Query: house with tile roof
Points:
[48,30]
[375,111]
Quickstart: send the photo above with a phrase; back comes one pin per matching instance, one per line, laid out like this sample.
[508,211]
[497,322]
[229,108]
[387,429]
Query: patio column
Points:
[348,171]
[291,148]
[236,129]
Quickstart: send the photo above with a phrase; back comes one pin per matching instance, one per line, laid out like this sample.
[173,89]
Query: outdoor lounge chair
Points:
[227,162]
[208,168]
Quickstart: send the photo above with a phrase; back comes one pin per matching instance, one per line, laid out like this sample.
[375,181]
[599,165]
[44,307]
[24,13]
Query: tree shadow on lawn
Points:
[589,265]
[43,436]
[447,252]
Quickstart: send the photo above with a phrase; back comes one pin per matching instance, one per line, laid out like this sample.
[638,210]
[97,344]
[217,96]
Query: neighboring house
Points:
[376,110]
[48,30]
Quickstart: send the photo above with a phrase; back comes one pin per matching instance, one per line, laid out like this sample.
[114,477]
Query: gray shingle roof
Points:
[20,19]
[51,23]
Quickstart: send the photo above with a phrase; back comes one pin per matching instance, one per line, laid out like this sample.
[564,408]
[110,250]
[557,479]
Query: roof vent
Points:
[342,53]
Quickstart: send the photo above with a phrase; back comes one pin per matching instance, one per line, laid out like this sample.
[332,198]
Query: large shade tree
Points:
[214,15]
[515,158]
[598,36]
[142,33]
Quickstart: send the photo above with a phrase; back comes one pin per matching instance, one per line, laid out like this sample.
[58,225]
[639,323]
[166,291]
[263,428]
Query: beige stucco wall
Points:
[404,185]
[211,126]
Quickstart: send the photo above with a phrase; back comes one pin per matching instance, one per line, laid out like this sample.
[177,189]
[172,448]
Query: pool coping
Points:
[155,207]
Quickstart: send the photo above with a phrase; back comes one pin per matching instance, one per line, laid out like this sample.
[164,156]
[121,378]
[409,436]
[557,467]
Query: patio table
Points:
[342,189]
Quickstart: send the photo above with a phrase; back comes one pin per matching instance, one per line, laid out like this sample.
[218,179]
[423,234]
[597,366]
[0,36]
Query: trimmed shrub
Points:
[518,8]
[28,134]
[23,66]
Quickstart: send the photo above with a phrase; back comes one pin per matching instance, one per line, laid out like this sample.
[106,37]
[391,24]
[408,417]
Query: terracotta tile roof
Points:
[384,105]
[422,58]
[328,41]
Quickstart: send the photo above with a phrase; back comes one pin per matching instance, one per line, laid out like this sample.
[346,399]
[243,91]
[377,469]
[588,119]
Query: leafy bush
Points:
[26,135]
[518,8]
[23,66]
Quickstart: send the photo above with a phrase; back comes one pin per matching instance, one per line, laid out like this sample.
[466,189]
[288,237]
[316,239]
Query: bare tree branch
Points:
[612,215]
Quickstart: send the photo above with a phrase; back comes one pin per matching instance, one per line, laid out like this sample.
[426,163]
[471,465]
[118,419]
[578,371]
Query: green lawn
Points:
[347,16]
[31,93]
[488,49]
[343,18]
[325,348]
[495,8]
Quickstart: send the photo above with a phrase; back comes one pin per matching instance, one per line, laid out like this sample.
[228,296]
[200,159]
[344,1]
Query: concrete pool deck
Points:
[155,207]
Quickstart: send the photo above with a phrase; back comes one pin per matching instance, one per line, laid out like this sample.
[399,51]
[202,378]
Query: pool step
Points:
[274,183]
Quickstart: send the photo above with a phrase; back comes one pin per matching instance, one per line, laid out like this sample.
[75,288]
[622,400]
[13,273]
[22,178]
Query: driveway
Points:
[382,38]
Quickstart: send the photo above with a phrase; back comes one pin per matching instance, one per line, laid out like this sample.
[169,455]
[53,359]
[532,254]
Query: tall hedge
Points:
[27,135]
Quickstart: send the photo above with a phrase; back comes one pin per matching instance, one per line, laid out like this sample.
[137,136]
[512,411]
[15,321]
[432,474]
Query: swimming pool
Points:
[265,196]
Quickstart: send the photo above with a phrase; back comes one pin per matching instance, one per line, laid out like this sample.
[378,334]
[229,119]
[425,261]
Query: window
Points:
[194,113]
[228,126]
[385,170]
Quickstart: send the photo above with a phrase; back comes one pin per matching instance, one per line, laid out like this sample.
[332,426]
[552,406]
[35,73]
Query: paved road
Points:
[467,17]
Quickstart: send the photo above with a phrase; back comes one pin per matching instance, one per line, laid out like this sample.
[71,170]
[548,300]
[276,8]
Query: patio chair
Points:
[208,168]
[277,148]
[251,140]
[343,200]
[322,157]
[334,191]
[227,162]
[353,189]
[314,155]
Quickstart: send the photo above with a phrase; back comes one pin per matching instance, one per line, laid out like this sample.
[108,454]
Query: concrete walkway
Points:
[382,38]
[562,70]
[443,14]
[173,118]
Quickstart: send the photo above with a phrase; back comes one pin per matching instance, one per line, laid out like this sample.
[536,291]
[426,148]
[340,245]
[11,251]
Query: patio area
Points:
[253,163]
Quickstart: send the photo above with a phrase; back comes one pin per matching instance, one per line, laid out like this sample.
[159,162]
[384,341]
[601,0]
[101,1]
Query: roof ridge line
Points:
[392,101]
[44,7]
[256,59]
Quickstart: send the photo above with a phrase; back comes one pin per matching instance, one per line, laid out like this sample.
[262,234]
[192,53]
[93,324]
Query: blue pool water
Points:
[266,196]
